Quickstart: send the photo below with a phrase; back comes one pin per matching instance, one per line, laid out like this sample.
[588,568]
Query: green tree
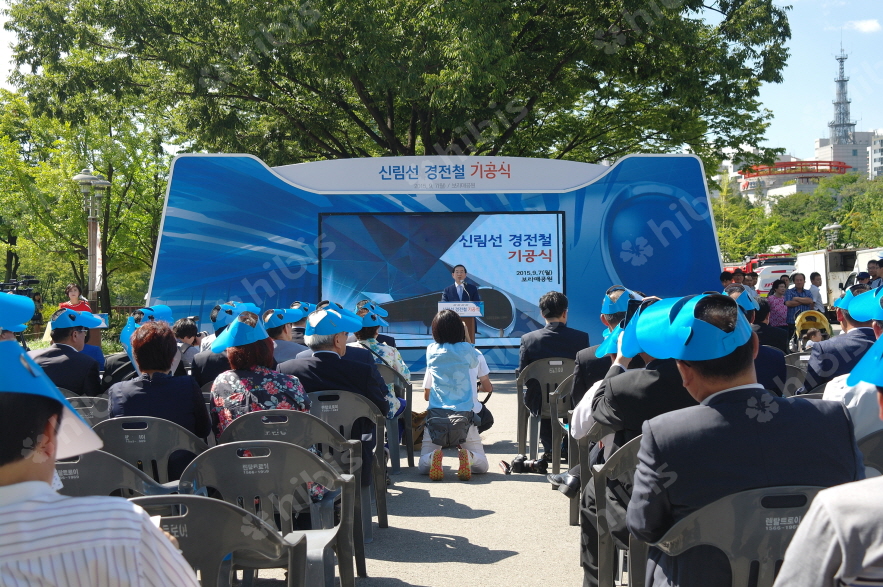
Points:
[742,227]
[298,80]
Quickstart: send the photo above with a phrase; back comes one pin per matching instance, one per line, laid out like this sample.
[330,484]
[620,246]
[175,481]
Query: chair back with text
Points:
[147,443]
[208,530]
[559,402]
[101,473]
[798,360]
[549,374]
[92,409]
[753,528]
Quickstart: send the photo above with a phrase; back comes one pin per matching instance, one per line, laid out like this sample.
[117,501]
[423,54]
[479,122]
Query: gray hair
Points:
[319,342]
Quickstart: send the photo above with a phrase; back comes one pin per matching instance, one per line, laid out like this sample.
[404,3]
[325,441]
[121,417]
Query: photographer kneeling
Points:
[451,396]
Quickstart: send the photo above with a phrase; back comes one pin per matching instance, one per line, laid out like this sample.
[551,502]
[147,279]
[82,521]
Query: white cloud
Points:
[864,26]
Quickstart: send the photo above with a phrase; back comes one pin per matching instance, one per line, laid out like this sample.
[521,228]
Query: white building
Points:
[853,154]
[875,156]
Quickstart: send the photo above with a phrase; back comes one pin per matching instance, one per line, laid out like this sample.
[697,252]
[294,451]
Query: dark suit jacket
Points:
[590,369]
[326,371]
[837,356]
[118,367]
[692,457]
[69,369]
[177,399]
[387,340]
[355,354]
[470,293]
[770,368]
[297,335]
[554,340]
[206,366]
[773,336]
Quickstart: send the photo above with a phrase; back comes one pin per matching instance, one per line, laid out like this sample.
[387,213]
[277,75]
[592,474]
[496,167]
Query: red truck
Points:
[768,266]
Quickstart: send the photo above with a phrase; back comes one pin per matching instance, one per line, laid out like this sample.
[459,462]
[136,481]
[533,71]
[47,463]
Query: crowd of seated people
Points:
[698,378]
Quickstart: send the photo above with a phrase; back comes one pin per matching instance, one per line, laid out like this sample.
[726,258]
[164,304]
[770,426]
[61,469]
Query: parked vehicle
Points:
[835,268]
[768,266]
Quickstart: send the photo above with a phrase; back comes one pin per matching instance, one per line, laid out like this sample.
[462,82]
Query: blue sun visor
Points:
[282,317]
[239,334]
[14,311]
[870,368]
[72,319]
[331,320]
[620,305]
[609,346]
[845,300]
[156,313]
[746,303]
[22,375]
[371,320]
[867,306]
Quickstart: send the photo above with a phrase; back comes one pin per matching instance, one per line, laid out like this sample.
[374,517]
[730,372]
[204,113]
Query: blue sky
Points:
[802,103]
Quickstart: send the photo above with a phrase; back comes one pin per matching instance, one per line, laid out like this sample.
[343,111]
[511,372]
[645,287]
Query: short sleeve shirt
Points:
[796,310]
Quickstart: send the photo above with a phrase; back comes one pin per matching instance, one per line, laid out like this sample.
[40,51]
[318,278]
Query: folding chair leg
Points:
[358,530]
[534,436]
[556,446]
[409,435]
[637,562]
[248,577]
[522,415]
[380,492]
[367,528]
[392,440]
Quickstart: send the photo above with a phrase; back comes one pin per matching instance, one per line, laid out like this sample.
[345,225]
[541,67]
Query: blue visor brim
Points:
[15,310]
[867,306]
[239,334]
[610,346]
[870,368]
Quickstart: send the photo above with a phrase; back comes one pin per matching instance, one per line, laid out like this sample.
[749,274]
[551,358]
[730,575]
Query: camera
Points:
[20,287]
[521,464]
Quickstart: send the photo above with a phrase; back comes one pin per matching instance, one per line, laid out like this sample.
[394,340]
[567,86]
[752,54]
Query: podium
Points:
[467,311]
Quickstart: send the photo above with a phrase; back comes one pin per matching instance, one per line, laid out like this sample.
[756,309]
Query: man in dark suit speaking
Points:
[63,361]
[692,457]
[460,291]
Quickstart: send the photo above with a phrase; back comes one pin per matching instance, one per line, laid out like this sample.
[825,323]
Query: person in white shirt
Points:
[815,280]
[50,539]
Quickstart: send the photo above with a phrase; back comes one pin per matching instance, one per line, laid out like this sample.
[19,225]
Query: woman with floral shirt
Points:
[776,300]
[251,386]
[383,355]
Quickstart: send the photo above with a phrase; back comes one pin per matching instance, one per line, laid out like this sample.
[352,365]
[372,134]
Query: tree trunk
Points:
[12,260]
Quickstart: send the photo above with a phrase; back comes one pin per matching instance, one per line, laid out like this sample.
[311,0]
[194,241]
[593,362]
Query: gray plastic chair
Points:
[341,409]
[305,430]
[68,393]
[583,446]
[559,400]
[747,527]
[271,483]
[872,450]
[550,373]
[798,360]
[101,473]
[403,388]
[147,442]
[622,462]
[93,409]
[795,380]
[209,529]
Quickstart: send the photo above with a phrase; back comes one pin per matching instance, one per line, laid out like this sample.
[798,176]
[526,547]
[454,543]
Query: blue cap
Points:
[226,314]
[307,307]
[867,306]
[239,334]
[745,302]
[369,320]
[16,328]
[609,345]
[15,310]
[332,319]
[372,308]
[608,306]
[73,319]
[631,346]
[870,368]
[845,300]
[158,312]
[669,329]
[281,317]
[22,375]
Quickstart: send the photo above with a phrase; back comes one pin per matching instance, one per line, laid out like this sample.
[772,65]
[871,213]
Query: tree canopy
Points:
[288,81]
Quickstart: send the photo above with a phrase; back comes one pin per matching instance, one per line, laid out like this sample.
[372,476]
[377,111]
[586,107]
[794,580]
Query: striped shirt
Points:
[50,540]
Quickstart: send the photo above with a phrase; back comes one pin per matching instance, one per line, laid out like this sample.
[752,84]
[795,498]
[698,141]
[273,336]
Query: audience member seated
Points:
[365,307]
[356,354]
[298,328]
[689,458]
[591,368]
[624,400]
[838,355]
[326,333]
[383,355]
[859,396]
[157,394]
[279,323]
[188,340]
[838,541]
[555,340]
[769,364]
[63,360]
[766,334]
[451,398]
[221,316]
[51,539]
[208,364]
[11,331]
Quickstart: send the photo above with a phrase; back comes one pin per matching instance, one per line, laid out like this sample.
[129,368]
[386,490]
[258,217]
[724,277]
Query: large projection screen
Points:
[403,261]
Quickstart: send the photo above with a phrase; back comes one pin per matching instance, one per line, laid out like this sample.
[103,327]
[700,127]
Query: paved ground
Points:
[492,529]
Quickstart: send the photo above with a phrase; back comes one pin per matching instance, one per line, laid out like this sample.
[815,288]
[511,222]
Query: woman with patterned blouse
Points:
[383,355]
[776,300]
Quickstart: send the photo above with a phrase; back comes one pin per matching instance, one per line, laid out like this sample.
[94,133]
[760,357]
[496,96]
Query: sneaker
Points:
[436,473]
[465,471]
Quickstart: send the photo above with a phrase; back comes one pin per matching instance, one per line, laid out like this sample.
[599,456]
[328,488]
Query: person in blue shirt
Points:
[451,393]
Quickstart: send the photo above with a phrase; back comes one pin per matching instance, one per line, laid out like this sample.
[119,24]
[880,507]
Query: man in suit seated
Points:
[297,330]
[356,354]
[326,333]
[365,307]
[279,324]
[66,366]
[838,541]
[766,334]
[624,401]
[692,457]
[838,355]
[555,340]
[769,364]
